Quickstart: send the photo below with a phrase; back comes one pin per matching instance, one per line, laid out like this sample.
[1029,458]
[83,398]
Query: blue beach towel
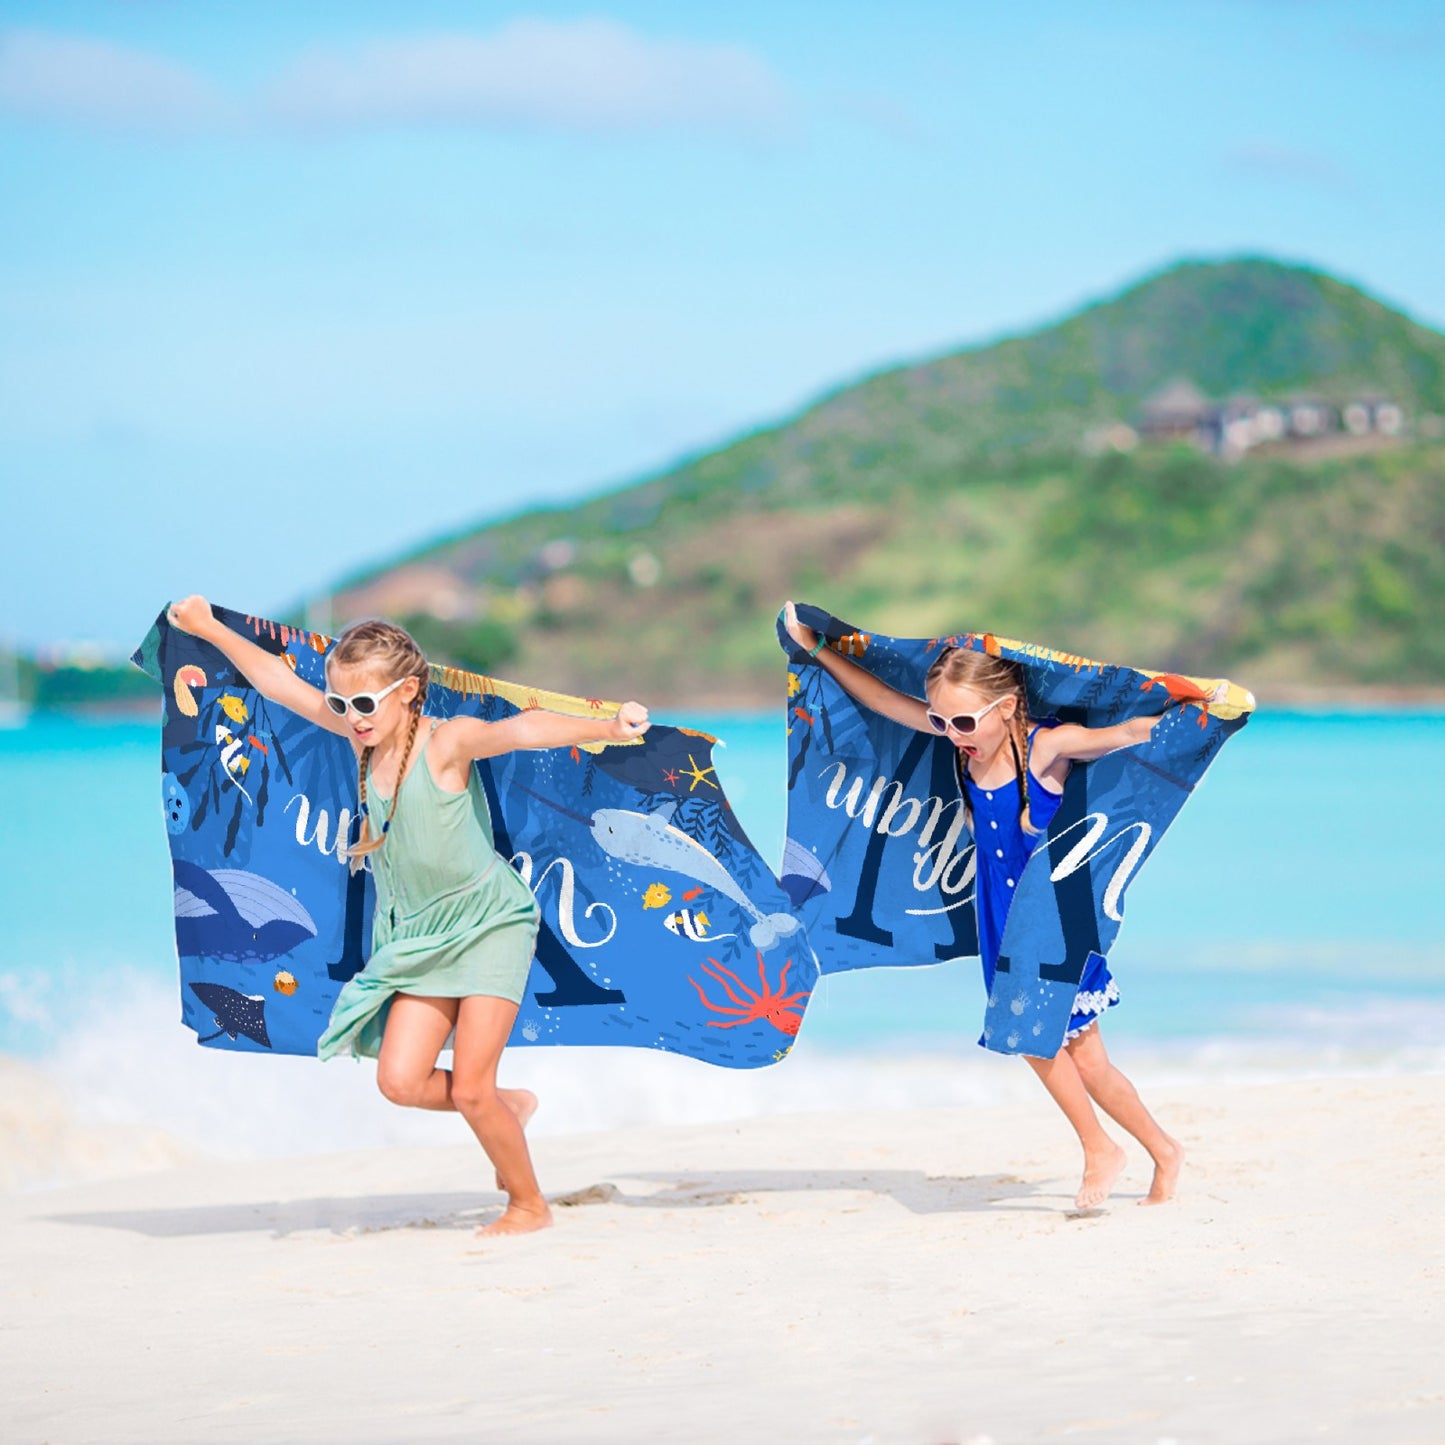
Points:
[662,927]
[879,863]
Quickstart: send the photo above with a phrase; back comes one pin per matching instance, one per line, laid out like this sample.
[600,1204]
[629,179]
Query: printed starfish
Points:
[669,776]
[697,774]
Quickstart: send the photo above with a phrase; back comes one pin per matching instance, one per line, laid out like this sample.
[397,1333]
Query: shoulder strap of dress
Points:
[1034,731]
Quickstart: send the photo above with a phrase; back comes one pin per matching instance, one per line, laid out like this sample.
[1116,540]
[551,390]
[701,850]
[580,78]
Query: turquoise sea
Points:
[1293,920]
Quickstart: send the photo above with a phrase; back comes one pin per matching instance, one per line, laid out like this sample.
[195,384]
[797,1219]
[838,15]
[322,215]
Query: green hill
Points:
[957,493]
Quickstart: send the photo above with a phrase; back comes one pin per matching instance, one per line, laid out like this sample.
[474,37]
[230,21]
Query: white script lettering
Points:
[566,898]
[886,809]
[320,837]
[1097,824]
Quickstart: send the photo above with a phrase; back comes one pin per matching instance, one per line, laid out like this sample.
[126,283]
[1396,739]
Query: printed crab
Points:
[1185,690]
[773,1005]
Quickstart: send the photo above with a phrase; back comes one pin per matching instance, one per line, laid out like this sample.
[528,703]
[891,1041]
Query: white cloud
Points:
[587,75]
[91,82]
[591,75]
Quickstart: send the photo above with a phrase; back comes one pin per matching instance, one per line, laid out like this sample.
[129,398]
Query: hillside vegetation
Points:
[957,494]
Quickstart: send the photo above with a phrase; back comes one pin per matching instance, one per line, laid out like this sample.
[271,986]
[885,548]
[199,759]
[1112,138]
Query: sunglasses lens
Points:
[938,724]
[364,703]
[965,722]
[336,703]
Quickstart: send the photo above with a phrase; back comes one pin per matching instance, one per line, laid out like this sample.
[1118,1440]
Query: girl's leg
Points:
[1119,1099]
[1103,1158]
[483,1024]
[416,1030]
[407,1073]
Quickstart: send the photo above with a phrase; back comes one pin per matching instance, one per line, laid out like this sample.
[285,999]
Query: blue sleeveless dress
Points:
[1002,849]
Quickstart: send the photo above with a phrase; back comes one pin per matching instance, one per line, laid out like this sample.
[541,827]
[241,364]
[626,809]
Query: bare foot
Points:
[1101,1169]
[523,1103]
[1167,1164]
[518,1219]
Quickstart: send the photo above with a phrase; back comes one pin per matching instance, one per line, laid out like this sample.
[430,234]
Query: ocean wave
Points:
[125,1088]
[45,1139]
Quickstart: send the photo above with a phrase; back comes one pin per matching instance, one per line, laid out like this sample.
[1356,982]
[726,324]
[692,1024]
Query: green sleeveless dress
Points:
[452,918]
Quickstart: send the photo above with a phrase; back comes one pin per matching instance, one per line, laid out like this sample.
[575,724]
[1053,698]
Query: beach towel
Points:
[879,863]
[662,927]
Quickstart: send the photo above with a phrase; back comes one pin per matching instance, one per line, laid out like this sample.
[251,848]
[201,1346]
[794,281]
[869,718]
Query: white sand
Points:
[885,1277]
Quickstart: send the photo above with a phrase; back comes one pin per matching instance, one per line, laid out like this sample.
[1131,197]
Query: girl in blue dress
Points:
[1011,775]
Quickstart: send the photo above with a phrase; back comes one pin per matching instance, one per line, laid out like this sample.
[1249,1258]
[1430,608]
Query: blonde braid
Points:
[1021,772]
[992,677]
[391,651]
[363,844]
[405,758]
[366,843]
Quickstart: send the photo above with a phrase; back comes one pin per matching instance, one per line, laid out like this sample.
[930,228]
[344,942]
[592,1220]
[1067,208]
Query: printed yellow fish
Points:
[235,709]
[658,895]
[284,982]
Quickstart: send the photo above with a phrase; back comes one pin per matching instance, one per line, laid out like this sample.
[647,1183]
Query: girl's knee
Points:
[474,1098]
[400,1088]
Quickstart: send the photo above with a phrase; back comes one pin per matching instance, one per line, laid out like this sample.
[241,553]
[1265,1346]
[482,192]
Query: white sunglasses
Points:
[365,703]
[962,723]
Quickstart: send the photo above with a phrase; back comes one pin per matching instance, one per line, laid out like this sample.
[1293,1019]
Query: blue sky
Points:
[285,289]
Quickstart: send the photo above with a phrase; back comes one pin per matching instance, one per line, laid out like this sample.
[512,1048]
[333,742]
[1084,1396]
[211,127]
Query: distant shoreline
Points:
[96,713]
[1312,699]
[1316,698]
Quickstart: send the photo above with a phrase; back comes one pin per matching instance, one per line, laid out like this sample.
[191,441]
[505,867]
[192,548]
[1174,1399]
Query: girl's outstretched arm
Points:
[1073,743]
[857,682]
[460,740]
[263,670]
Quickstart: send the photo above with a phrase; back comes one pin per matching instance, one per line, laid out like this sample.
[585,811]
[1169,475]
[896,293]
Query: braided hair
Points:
[993,677]
[390,651]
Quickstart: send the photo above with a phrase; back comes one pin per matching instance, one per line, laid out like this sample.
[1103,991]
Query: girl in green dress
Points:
[455,926]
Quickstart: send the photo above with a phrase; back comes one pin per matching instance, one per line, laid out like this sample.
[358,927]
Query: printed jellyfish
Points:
[176,805]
